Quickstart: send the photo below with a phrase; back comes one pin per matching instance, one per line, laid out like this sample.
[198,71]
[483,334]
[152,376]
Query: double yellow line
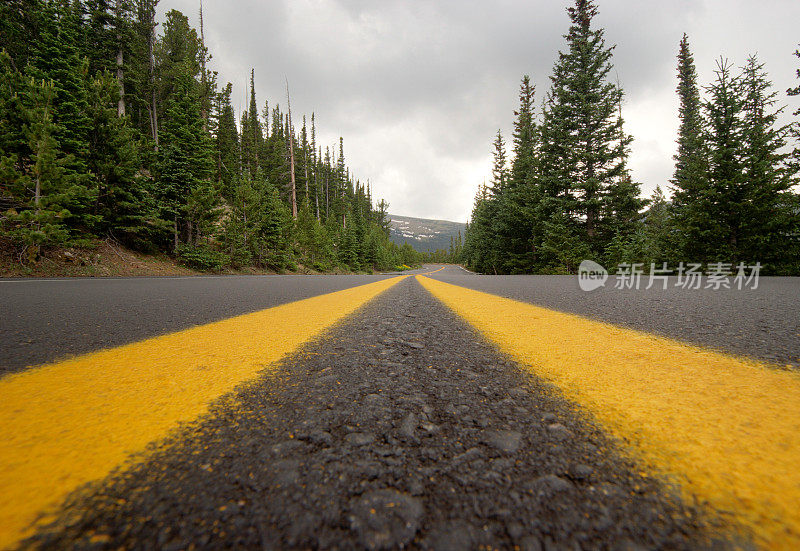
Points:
[74,421]
[725,429]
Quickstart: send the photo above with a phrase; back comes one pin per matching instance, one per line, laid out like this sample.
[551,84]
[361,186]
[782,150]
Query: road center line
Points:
[72,422]
[725,429]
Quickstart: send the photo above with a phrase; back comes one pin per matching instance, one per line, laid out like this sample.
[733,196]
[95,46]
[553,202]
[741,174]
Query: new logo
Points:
[591,275]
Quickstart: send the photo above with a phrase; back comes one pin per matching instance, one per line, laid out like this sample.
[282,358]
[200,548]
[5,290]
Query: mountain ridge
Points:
[424,234]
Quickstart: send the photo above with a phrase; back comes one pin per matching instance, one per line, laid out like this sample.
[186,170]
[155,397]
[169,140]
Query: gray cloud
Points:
[418,88]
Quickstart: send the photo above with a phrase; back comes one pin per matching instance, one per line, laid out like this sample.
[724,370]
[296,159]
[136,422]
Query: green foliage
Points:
[108,129]
[570,195]
[202,257]
[569,192]
[35,173]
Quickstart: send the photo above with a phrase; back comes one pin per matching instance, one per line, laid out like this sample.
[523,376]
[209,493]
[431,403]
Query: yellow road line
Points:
[726,429]
[72,422]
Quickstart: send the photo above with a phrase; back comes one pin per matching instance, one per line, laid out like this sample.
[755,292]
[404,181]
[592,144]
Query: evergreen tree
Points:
[252,135]
[499,166]
[18,29]
[766,214]
[186,166]
[36,176]
[140,76]
[690,193]
[123,206]
[516,224]
[795,129]
[720,229]
[57,59]
[227,143]
[584,148]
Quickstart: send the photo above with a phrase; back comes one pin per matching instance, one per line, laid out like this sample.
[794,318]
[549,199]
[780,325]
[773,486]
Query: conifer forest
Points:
[566,193]
[112,126]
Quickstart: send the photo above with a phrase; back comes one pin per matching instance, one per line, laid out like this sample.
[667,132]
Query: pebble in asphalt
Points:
[401,428]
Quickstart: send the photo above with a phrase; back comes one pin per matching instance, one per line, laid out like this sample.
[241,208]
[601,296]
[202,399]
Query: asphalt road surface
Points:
[426,439]
[43,320]
[427,416]
[763,323]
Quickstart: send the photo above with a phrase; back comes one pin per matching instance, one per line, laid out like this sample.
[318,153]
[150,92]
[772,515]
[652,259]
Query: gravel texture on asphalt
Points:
[47,320]
[400,428]
[763,323]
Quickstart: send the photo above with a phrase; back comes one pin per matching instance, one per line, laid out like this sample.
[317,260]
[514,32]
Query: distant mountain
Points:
[424,234]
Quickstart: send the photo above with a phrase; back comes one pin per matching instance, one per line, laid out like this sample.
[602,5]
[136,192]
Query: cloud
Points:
[418,88]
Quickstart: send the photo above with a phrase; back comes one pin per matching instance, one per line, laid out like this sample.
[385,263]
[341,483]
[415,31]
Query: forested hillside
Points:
[568,194]
[112,125]
[424,234]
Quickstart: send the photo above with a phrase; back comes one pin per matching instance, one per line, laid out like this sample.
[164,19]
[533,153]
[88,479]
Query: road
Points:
[763,323]
[45,320]
[427,411]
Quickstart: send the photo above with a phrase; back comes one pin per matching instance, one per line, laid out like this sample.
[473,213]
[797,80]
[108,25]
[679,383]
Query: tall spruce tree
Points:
[186,165]
[584,148]
[515,224]
[795,129]
[252,135]
[57,58]
[720,228]
[766,212]
[499,165]
[690,192]
[35,175]
[124,206]
[227,143]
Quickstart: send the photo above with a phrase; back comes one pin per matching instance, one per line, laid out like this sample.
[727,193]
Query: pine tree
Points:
[36,176]
[140,76]
[18,29]
[690,192]
[795,129]
[720,230]
[515,224]
[524,166]
[178,53]
[57,59]
[186,165]
[252,135]
[499,166]
[123,205]
[584,147]
[227,143]
[766,214]
[478,253]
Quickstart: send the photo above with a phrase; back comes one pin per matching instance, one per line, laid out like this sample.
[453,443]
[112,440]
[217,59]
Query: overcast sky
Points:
[418,88]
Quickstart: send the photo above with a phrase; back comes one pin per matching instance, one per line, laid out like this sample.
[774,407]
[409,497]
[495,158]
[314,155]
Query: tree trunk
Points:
[316,192]
[120,81]
[291,153]
[37,197]
[305,167]
[153,106]
[204,82]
